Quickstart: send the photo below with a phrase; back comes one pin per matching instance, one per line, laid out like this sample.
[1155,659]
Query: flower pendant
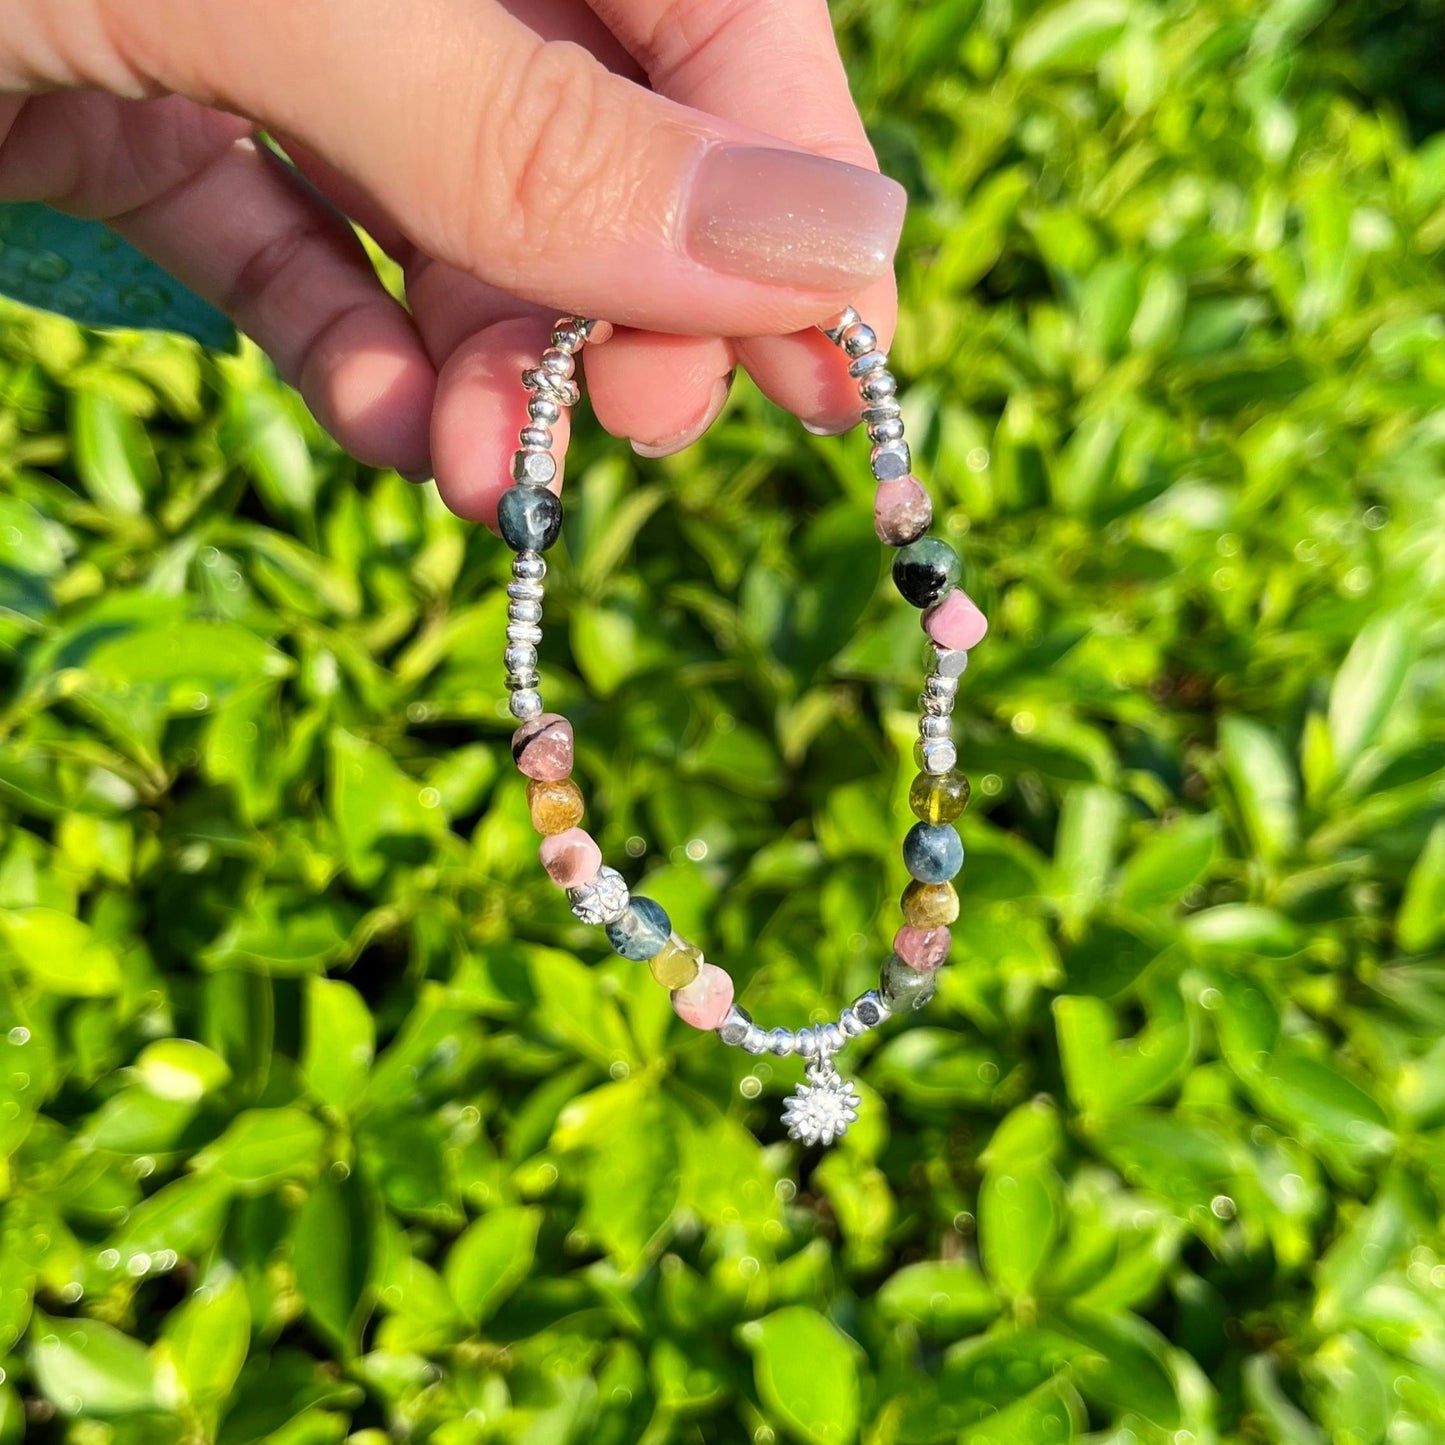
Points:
[820,1110]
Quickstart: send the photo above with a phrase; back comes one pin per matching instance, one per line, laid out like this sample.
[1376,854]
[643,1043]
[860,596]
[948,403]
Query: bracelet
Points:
[926,571]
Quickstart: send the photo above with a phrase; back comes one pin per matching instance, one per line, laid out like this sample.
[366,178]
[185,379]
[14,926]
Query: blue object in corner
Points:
[84,270]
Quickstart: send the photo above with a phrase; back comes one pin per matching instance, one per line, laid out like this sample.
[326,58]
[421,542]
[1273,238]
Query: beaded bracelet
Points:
[926,571]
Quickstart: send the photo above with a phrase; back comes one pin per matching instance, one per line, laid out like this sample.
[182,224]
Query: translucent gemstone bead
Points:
[704,1003]
[571,858]
[956,624]
[901,511]
[933,853]
[641,931]
[903,987]
[676,965]
[542,747]
[925,570]
[938,798]
[555,806]
[923,949]
[929,905]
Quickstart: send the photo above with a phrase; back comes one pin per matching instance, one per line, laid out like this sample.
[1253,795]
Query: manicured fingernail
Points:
[791,217]
[717,398]
[835,429]
[414,476]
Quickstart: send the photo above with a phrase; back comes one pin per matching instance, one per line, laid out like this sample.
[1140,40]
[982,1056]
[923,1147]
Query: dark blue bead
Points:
[641,932]
[529,518]
[925,570]
[933,852]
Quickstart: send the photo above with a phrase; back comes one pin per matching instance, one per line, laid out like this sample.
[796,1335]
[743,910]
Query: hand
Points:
[655,163]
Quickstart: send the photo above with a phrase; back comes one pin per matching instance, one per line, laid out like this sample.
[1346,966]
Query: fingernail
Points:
[835,430]
[717,398]
[791,217]
[414,476]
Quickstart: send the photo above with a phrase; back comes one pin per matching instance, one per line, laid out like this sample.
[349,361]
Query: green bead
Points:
[938,797]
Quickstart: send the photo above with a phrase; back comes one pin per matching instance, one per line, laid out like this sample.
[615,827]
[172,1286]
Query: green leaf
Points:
[946,1299]
[84,1367]
[1265,788]
[206,1340]
[181,1069]
[1071,36]
[806,1374]
[1018,1221]
[333,1245]
[1168,863]
[262,1147]
[1245,928]
[61,953]
[112,454]
[490,1259]
[1367,684]
[1420,923]
[380,813]
[339,1044]
[1089,827]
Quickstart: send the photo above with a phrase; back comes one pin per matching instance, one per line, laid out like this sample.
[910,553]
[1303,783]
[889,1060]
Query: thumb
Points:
[530,165]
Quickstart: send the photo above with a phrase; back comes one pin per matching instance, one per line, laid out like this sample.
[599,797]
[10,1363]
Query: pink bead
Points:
[923,949]
[704,1003]
[571,858]
[901,511]
[542,747]
[955,622]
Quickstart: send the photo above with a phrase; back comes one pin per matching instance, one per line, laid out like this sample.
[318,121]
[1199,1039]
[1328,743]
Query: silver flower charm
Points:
[820,1110]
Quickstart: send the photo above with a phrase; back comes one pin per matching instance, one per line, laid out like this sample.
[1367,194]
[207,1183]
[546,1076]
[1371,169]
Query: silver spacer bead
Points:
[529,566]
[935,706]
[603,900]
[950,661]
[939,755]
[939,684]
[858,339]
[566,335]
[808,1041]
[564,392]
[891,460]
[557,362]
[529,614]
[543,409]
[833,1036]
[734,1028]
[523,679]
[933,726]
[890,429]
[525,591]
[520,658]
[539,438]
[840,323]
[881,411]
[870,1009]
[878,385]
[533,468]
[526,704]
[756,1040]
[870,365]
[782,1042]
[523,633]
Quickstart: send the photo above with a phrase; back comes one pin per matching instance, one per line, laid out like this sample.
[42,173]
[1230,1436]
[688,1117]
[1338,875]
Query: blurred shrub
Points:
[321,1117]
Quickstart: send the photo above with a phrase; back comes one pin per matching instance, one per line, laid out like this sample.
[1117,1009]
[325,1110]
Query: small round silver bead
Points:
[891,460]
[734,1028]
[543,409]
[850,1023]
[603,900]
[529,566]
[950,661]
[756,1040]
[878,385]
[833,1036]
[566,336]
[520,658]
[782,1042]
[931,727]
[557,362]
[870,365]
[529,614]
[886,410]
[858,339]
[940,685]
[593,330]
[835,328]
[533,468]
[526,704]
[538,438]
[808,1042]
[939,755]
[525,634]
[890,429]
[525,591]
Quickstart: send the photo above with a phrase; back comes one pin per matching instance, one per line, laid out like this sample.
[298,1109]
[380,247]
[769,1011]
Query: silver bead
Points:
[543,409]
[734,1028]
[529,614]
[782,1042]
[903,987]
[835,328]
[870,1009]
[939,755]
[529,566]
[523,679]
[858,339]
[593,330]
[833,1036]
[520,658]
[537,438]
[557,362]
[526,704]
[870,365]
[534,468]
[935,706]
[886,410]
[566,335]
[940,685]
[808,1042]
[950,661]
[566,393]
[931,727]
[890,429]
[603,900]
[878,385]
[850,1023]
[525,591]
[526,633]
[756,1040]
[891,460]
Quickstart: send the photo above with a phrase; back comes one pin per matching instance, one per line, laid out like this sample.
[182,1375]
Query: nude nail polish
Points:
[790,217]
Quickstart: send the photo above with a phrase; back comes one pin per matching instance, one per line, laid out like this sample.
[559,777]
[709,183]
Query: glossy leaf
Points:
[806,1373]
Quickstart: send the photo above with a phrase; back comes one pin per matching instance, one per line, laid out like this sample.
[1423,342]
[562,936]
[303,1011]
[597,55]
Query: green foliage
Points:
[321,1117]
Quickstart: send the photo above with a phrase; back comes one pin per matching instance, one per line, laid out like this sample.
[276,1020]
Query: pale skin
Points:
[518,159]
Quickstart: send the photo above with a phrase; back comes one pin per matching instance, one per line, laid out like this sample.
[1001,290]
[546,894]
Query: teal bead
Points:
[643,930]
[925,570]
[529,518]
[932,852]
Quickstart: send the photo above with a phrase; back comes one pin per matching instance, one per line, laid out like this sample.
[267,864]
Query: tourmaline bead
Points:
[704,1003]
[929,905]
[933,853]
[902,512]
[903,987]
[676,964]
[555,805]
[924,570]
[542,747]
[923,949]
[956,622]
[939,798]
[642,931]
[529,518]
[571,858]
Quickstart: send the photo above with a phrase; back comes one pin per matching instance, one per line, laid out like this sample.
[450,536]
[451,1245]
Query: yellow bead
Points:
[929,905]
[555,805]
[677,964]
[938,797]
